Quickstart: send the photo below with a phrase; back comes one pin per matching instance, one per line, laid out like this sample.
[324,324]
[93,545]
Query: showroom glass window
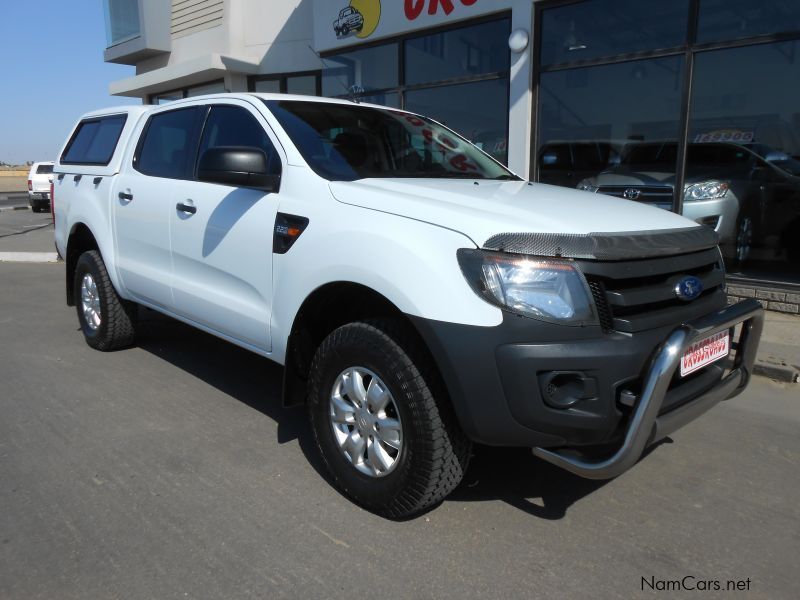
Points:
[458,76]
[307,83]
[690,105]
[756,113]
[121,20]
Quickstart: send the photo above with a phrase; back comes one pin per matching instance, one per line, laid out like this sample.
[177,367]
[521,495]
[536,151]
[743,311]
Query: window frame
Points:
[184,91]
[282,78]
[78,128]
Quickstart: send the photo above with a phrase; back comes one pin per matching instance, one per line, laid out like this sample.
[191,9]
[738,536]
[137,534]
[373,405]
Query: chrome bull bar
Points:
[645,425]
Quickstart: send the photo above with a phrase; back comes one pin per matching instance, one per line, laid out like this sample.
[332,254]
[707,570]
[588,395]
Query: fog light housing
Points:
[563,389]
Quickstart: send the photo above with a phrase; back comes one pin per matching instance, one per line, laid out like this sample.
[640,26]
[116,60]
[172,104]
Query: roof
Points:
[139,109]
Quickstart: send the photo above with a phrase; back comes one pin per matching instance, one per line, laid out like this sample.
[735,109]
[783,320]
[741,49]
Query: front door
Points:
[222,238]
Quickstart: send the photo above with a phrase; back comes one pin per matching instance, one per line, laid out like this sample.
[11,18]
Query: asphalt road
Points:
[170,470]
[13,199]
[26,231]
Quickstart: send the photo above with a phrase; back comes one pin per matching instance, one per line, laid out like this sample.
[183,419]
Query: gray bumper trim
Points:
[645,425]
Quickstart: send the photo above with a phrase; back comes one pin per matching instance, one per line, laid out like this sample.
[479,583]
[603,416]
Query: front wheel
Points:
[107,321]
[386,433]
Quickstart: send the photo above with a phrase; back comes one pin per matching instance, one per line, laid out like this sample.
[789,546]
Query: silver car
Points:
[748,194]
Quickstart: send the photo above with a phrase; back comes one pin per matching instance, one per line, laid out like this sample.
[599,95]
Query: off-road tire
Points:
[117,316]
[435,451]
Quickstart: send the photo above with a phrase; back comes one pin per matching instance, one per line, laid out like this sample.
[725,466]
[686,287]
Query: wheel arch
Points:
[80,240]
[325,309]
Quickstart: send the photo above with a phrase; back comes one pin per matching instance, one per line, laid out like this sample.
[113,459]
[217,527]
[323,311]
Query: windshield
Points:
[343,142]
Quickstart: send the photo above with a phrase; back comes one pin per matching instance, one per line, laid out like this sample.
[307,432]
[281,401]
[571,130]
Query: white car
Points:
[39,179]
[420,295]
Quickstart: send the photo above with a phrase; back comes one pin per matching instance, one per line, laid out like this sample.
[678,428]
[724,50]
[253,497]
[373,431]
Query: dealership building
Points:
[689,105]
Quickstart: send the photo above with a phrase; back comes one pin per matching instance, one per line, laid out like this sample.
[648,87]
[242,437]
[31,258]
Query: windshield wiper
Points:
[506,177]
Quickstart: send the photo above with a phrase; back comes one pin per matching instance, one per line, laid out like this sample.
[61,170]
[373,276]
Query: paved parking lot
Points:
[24,230]
[170,470]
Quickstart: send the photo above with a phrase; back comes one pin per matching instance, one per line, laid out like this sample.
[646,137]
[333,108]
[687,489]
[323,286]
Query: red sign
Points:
[413,8]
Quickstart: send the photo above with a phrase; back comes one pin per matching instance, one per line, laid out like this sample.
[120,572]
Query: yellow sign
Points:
[371,11]
[359,18]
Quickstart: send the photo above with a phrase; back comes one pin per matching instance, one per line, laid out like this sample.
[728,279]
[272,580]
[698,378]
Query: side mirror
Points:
[239,166]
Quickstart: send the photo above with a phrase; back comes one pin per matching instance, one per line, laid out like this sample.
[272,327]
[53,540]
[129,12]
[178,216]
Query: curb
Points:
[28,257]
[5,208]
[783,373]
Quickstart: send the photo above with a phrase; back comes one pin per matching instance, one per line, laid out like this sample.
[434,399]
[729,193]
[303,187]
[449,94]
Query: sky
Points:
[51,72]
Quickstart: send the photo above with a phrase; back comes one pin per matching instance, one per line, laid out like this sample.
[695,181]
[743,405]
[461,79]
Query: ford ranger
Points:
[420,296]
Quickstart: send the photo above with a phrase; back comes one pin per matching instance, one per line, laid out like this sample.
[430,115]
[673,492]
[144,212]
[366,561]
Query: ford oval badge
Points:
[688,288]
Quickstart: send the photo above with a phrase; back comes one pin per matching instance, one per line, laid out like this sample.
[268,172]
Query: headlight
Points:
[547,289]
[587,186]
[705,190]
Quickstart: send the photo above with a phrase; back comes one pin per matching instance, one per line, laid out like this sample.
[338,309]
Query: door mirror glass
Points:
[240,166]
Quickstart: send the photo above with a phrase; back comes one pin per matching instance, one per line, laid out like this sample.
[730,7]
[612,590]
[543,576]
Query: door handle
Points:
[186,208]
[125,196]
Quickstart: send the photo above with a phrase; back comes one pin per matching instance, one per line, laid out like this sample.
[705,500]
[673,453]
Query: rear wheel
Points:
[386,433]
[107,321]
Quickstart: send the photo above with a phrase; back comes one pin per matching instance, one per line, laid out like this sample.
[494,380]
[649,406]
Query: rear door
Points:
[222,236]
[142,200]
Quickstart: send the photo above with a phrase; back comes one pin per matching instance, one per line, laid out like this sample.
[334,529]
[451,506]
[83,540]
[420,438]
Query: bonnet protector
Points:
[622,245]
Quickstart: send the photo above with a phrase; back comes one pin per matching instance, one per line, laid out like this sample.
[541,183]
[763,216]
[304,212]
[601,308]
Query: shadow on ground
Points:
[511,475]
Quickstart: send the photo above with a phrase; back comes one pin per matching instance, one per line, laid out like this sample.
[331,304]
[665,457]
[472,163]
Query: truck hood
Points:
[481,209]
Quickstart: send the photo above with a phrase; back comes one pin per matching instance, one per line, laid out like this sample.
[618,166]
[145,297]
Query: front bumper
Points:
[646,425]
[497,379]
[724,210]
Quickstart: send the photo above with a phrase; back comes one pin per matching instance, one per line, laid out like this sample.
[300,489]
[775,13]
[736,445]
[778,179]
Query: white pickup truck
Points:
[40,178]
[420,295]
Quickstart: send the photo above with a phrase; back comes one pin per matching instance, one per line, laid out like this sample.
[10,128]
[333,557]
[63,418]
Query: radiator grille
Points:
[638,295]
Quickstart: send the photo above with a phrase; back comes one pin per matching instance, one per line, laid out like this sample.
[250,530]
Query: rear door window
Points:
[94,141]
[168,144]
[44,169]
